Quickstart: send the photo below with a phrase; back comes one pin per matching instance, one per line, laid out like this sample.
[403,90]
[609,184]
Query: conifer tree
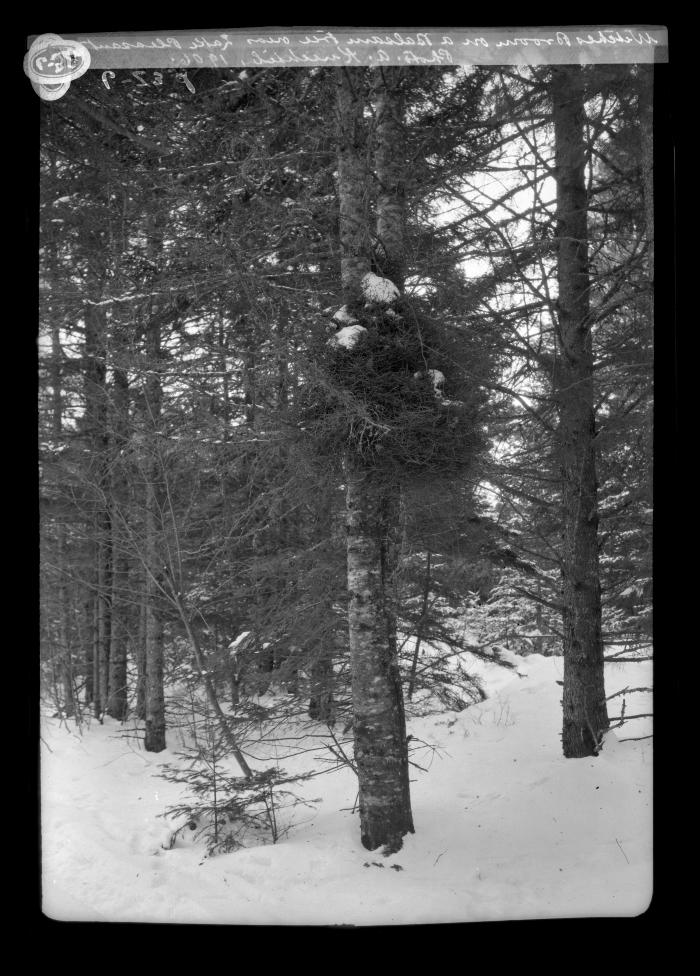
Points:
[585,718]
[379,724]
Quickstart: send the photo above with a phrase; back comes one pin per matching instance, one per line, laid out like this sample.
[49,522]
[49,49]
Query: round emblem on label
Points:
[51,63]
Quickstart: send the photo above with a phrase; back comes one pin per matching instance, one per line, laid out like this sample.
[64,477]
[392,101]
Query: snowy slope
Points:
[505,827]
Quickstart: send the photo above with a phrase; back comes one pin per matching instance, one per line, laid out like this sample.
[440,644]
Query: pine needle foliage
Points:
[377,401]
[222,811]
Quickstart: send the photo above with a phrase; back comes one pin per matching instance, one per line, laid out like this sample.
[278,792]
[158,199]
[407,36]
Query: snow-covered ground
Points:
[506,828]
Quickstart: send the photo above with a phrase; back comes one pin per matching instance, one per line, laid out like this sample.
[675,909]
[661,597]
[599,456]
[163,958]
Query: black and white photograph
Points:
[346,442]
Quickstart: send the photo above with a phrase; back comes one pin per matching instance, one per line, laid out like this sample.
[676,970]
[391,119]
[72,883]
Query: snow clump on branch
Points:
[347,337]
[344,317]
[379,290]
[235,645]
[436,378]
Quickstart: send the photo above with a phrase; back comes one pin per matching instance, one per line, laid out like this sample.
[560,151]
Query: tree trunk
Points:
[222,350]
[65,654]
[95,421]
[321,703]
[89,650]
[155,695]
[154,740]
[117,702]
[585,717]
[539,645]
[97,707]
[321,646]
[249,377]
[645,88]
[352,182]
[104,609]
[381,749]
[390,171]
[141,657]
[67,679]
[420,627]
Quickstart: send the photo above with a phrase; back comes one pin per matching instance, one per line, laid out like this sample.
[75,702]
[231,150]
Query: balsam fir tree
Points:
[223,811]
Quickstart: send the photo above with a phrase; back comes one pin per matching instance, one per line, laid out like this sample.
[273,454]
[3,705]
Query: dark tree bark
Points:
[352,182]
[67,677]
[421,626]
[585,717]
[645,89]
[321,646]
[65,651]
[381,751]
[64,630]
[155,696]
[104,607]
[154,740]
[141,657]
[117,702]
[249,375]
[95,421]
[89,617]
[390,171]
[97,704]
[321,702]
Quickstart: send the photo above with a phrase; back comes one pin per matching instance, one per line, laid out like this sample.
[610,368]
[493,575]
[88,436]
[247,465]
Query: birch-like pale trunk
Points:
[379,725]
[379,722]
[585,717]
